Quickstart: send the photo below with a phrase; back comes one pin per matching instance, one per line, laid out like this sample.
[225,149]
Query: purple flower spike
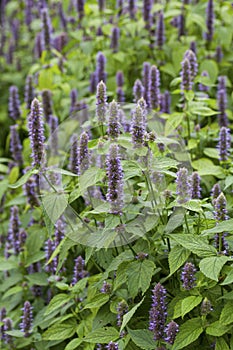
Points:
[183,189]
[47,104]
[14,103]
[154,87]
[83,154]
[209,21]
[49,249]
[120,79]
[160,37]
[30,189]
[186,80]
[222,102]
[138,90]
[100,68]
[2,317]
[195,185]
[193,47]
[147,6]
[8,326]
[93,82]
[79,272]
[27,319]
[115,39]
[115,181]
[166,102]
[215,192]
[220,213]
[73,162]
[15,145]
[80,9]
[101,102]
[132,8]
[101,4]
[187,276]
[113,123]
[190,55]
[181,25]
[158,312]
[224,143]
[122,308]
[112,346]
[38,48]
[14,228]
[138,127]
[29,92]
[106,288]
[219,54]
[73,100]
[46,29]
[120,95]
[62,16]
[36,132]
[171,330]
[146,82]
[28,12]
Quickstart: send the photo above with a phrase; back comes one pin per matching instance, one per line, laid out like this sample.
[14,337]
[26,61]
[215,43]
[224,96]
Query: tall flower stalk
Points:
[158,312]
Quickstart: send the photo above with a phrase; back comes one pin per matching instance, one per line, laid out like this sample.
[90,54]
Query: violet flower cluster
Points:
[154,87]
[146,82]
[101,75]
[209,21]
[160,36]
[29,91]
[224,143]
[222,102]
[83,154]
[46,29]
[183,188]
[101,102]
[15,146]
[138,90]
[158,312]
[195,185]
[113,122]
[27,319]
[188,276]
[122,308]
[14,103]
[79,271]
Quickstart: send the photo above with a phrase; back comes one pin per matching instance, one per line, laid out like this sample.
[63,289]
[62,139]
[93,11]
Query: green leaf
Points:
[188,333]
[14,174]
[143,338]
[102,335]
[211,67]
[175,220]
[98,301]
[3,187]
[24,178]
[139,276]
[39,279]
[15,333]
[12,291]
[131,169]
[80,285]
[45,80]
[228,279]
[211,153]
[223,226]
[217,329]
[55,204]
[61,331]
[189,304]
[196,244]
[226,316]
[212,266]
[177,257]
[7,264]
[221,344]
[127,317]
[57,302]
[73,344]
[90,178]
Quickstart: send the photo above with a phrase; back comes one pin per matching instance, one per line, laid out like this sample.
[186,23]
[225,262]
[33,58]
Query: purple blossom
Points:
[36,132]
[222,102]
[38,49]
[158,312]
[113,122]
[190,55]
[219,54]
[160,37]
[154,87]
[101,75]
[193,47]
[224,143]
[147,6]
[171,330]
[206,307]
[187,276]
[141,256]
[83,154]
[8,326]
[101,102]
[115,193]
[221,214]
[115,39]
[93,82]
[59,231]
[186,75]
[215,192]
[120,79]
[146,82]
[22,239]
[79,272]
[10,53]
[101,4]
[62,16]
[14,103]
[47,104]
[73,162]
[59,43]
[120,95]
[183,189]
[209,21]
[195,185]
[49,249]
[201,86]
[112,346]
[14,228]
[2,317]
[138,90]
[29,92]
[106,288]
[122,308]
[132,8]
[181,25]
[73,100]
[15,145]
[15,29]
[138,127]
[30,189]
[165,102]
[27,318]
[46,29]
[80,8]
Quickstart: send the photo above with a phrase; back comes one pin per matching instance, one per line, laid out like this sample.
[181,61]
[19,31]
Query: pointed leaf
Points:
[188,333]
[212,266]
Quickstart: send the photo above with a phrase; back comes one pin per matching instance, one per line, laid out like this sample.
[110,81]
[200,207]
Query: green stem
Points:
[186,222]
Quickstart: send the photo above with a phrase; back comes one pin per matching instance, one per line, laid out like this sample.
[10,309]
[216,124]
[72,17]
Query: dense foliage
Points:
[116,174]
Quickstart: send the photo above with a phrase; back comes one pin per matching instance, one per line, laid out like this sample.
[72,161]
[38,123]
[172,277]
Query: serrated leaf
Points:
[221,344]
[61,331]
[228,279]
[15,333]
[188,333]
[80,285]
[217,329]
[139,276]
[102,335]
[7,264]
[223,226]
[55,204]
[175,220]
[57,302]
[73,344]
[12,291]
[127,317]
[226,316]
[189,304]
[39,279]
[143,338]
[98,301]
[196,244]
[212,266]
[177,257]
[90,178]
